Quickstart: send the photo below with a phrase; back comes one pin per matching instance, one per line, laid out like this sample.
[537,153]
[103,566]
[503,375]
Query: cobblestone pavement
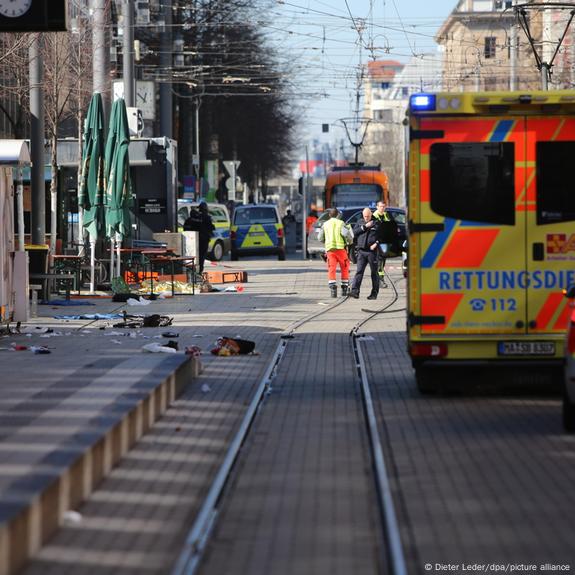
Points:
[479,477]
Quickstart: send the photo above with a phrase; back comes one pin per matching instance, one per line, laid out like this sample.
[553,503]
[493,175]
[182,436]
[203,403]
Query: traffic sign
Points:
[231,166]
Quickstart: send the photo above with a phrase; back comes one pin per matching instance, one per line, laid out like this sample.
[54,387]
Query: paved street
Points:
[480,477]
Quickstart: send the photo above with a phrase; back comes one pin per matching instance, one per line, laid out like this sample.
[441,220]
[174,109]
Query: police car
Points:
[257,230]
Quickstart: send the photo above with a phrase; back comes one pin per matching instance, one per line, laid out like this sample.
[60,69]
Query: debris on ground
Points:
[226,346]
[39,349]
[139,301]
[170,334]
[92,316]
[206,388]
[157,348]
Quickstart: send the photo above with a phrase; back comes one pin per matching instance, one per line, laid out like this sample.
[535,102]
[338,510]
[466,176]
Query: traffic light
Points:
[33,16]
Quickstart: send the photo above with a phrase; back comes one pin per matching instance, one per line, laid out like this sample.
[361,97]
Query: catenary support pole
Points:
[38,185]
[128,53]
[101,53]
[304,201]
[166,99]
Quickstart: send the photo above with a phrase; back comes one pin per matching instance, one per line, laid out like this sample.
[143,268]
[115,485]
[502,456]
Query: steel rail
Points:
[198,535]
[386,506]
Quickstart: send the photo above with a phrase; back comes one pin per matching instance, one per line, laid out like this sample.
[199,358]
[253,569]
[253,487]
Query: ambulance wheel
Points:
[281,255]
[425,382]
[568,413]
[217,252]
[234,256]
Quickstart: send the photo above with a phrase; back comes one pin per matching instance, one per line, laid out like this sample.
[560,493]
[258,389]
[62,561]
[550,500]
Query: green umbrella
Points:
[92,181]
[118,192]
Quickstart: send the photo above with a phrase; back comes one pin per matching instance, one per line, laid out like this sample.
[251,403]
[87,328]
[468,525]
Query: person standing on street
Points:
[381,216]
[205,232]
[335,235]
[366,233]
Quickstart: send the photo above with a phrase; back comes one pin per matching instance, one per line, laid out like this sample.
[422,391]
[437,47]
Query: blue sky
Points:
[320,42]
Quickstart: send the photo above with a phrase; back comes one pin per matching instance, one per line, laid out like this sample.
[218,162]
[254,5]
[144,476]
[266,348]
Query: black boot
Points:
[354,294]
[372,295]
[333,290]
[344,288]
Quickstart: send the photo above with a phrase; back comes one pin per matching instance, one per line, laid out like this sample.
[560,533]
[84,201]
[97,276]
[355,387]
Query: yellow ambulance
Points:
[491,203]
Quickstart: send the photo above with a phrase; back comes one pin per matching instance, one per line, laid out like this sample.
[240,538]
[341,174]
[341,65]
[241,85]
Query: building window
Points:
[385,85]
[489,50]
[383,115]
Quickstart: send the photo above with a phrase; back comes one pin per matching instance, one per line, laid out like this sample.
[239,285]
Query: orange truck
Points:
[491,208]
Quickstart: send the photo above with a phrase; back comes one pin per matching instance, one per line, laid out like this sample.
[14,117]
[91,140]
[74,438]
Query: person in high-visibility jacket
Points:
[336,235]
[381,216]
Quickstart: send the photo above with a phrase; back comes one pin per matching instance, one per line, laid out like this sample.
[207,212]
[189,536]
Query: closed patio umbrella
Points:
[92,181]
[118,191]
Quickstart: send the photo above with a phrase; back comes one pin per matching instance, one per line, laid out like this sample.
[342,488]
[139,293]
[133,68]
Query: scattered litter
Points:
[206,388]
[366,338]
[39,349]
[231,289]
[135,321]
[92,316]
[193,350]
[71,518]
[29,329]
[157,348]
[141,301]
[170,334]
[226,346]
[117,341]
[66,302]
[173,344]
[124,297]
[17,347]
[163,295]
[322,303]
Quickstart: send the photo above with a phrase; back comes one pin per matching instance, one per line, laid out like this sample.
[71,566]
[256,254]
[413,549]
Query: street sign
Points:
[231,166]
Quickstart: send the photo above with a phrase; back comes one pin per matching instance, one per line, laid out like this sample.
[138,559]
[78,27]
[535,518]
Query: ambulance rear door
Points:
[468,228]
[550,213]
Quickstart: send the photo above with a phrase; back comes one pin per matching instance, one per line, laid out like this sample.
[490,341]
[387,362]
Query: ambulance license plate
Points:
[526,348]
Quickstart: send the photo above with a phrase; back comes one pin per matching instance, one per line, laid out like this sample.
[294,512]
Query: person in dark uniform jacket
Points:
[366,233]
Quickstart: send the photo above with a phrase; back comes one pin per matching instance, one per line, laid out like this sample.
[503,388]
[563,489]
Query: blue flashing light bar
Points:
[422,102]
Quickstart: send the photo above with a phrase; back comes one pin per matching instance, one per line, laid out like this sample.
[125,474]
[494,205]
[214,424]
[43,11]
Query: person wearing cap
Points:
[205,232]
[336,235]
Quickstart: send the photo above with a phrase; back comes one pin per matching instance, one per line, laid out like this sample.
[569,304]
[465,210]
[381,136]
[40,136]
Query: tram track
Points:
[198,536]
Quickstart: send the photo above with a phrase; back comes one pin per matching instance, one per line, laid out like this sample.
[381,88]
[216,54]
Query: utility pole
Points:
[166,100]
[514,48]
[38,228]
[128,53]
[304,200]
[101,57]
